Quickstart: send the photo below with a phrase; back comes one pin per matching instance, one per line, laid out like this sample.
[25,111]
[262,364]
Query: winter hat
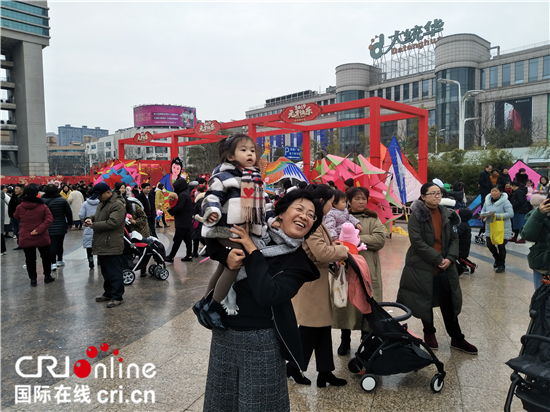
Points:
[438,182]
[536,200]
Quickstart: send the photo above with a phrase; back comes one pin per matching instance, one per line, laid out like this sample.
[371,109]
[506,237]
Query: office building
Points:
[25,32]
[70,134]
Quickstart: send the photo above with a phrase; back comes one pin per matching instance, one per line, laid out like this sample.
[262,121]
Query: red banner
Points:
[143,137]
[301,113]
[208,127]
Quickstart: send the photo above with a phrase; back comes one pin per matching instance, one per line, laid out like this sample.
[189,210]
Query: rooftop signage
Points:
[415,38]
[143,137]
[301,113]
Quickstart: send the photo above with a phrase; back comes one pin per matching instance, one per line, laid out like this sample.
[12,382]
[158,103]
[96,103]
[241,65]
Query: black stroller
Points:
[390,349]
[138,251]
[531,376]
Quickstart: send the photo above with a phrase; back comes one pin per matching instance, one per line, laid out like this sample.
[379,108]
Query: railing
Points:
[530,46]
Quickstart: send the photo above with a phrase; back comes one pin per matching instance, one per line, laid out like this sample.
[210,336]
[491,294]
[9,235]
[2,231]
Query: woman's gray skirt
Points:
[246,373]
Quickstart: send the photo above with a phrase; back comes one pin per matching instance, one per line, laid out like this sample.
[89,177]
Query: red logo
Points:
[82,367]
[249,191]
[208,127]
[143,137]
[301,113]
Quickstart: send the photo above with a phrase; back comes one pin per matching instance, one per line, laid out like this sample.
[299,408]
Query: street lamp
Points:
[461,108]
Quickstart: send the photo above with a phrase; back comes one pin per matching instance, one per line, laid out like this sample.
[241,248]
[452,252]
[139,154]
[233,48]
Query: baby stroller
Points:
[141,249]
[531,376]
[390,349]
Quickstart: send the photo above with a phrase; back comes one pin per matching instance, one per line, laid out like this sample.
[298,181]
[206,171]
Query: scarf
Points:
[284,245]
[252,196]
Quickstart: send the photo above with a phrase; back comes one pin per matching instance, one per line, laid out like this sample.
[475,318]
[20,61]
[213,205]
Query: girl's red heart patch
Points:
[248,192]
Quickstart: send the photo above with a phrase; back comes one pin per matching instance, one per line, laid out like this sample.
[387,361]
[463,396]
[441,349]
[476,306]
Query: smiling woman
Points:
[252,350]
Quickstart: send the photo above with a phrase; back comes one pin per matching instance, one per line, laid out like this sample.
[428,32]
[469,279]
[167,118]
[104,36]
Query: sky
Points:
[223,58]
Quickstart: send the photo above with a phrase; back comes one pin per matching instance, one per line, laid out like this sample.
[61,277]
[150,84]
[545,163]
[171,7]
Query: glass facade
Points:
[506,74]
[372,93]
[388,93]
[24,17]
[15,15]
[519,72]
[349,136]
[25,7]
[546,67]
[493,77]
[447,103]
[425,88]
[406,92]
[533,70]
[397,93]
[416,86]
[482,79]
[387,131]
[25,27]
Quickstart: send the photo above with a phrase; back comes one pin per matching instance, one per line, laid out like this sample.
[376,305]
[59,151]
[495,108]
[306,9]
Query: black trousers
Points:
[30,260]
[320,341]
[56,248]
[185,236]
[3,243]
[498,251]
[196,246]
[447,311]
[152,224]
[111,269]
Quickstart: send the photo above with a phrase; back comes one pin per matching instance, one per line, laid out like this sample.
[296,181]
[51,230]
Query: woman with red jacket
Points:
[35,219]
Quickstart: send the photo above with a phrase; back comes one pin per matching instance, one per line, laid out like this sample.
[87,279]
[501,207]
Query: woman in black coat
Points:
[246,370]
[62,221]
[430,277]
[521,207]
[183,214]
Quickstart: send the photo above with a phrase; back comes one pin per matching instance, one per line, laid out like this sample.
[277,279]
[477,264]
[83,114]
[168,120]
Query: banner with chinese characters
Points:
[301,113]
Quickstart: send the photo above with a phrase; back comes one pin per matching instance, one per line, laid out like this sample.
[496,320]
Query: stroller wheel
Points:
[354,366]
[152,269]
[368,383]
[128,277]
[162,274]
[437,383]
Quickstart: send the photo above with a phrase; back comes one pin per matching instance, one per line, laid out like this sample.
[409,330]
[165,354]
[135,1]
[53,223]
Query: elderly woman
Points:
[497,207]
[373,234]
[246,369]
[430,276]
[313,305]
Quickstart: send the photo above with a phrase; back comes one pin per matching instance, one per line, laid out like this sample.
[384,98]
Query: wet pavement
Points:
[156,325]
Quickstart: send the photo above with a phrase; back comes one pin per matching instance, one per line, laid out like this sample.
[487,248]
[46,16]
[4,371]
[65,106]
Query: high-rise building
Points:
[25,32]
[70,134]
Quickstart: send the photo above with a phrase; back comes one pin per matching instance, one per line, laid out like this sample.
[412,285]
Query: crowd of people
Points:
[269,301]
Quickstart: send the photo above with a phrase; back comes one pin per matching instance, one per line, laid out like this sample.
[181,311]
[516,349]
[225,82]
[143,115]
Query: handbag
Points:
[497,231]
[340,288]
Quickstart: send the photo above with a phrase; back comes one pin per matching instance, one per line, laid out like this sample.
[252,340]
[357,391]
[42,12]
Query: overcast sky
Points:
[223,58]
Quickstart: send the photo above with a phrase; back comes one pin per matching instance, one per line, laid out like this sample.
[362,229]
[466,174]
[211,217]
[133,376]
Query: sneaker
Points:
[187,259]
[169,259]
[102,298]
[114,303]
[431,341]
[49,279]
[54,267]
[61,263]
[501,268]
[495,265]
[464,346]
[14,237]
[33,282]
[3,254]
[166,225]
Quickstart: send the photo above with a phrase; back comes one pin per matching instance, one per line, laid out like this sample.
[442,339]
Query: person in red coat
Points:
[35,219]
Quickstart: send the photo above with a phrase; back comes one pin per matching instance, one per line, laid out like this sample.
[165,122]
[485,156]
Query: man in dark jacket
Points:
[108,242]
[147,199]
[484,183]
[182,212]
[504,178]
[14,202]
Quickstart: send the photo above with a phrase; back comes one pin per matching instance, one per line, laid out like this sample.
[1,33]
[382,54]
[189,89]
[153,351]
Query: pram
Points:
[389,348]
[533,362]
[141,249]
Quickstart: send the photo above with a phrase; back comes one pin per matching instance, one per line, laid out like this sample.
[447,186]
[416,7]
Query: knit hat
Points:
[438,182]
[536,200]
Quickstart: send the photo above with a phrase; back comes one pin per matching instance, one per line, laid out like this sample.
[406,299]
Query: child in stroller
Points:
[390,348]
[465,240]
[534,358]
[140,250]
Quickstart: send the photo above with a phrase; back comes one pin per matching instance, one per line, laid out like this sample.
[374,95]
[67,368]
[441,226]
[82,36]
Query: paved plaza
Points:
[156,325]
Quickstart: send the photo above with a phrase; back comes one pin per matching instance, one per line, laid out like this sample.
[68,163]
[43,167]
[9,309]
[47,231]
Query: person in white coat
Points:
[75,201]
[498,207]
[88,209]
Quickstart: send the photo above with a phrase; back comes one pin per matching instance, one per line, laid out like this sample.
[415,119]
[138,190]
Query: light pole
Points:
[461,108]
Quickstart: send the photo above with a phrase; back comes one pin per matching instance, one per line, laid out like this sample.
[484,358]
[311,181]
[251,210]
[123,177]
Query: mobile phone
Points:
[548,197]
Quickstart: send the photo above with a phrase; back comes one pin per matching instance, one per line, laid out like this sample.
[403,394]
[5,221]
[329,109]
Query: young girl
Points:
[339,215]
[235,196]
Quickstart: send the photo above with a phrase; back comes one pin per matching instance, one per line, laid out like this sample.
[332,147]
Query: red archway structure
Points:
[291,120]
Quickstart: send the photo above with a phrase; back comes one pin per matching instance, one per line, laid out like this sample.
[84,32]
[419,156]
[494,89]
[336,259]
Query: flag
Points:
[398,169]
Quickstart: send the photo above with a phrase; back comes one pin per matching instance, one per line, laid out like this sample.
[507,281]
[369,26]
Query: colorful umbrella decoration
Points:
[128,173]
[282,168]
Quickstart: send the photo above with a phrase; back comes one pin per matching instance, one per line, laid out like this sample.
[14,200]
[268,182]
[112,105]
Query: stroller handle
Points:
[408,312]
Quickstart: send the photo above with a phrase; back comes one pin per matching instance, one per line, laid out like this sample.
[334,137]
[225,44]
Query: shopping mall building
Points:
[500,89]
